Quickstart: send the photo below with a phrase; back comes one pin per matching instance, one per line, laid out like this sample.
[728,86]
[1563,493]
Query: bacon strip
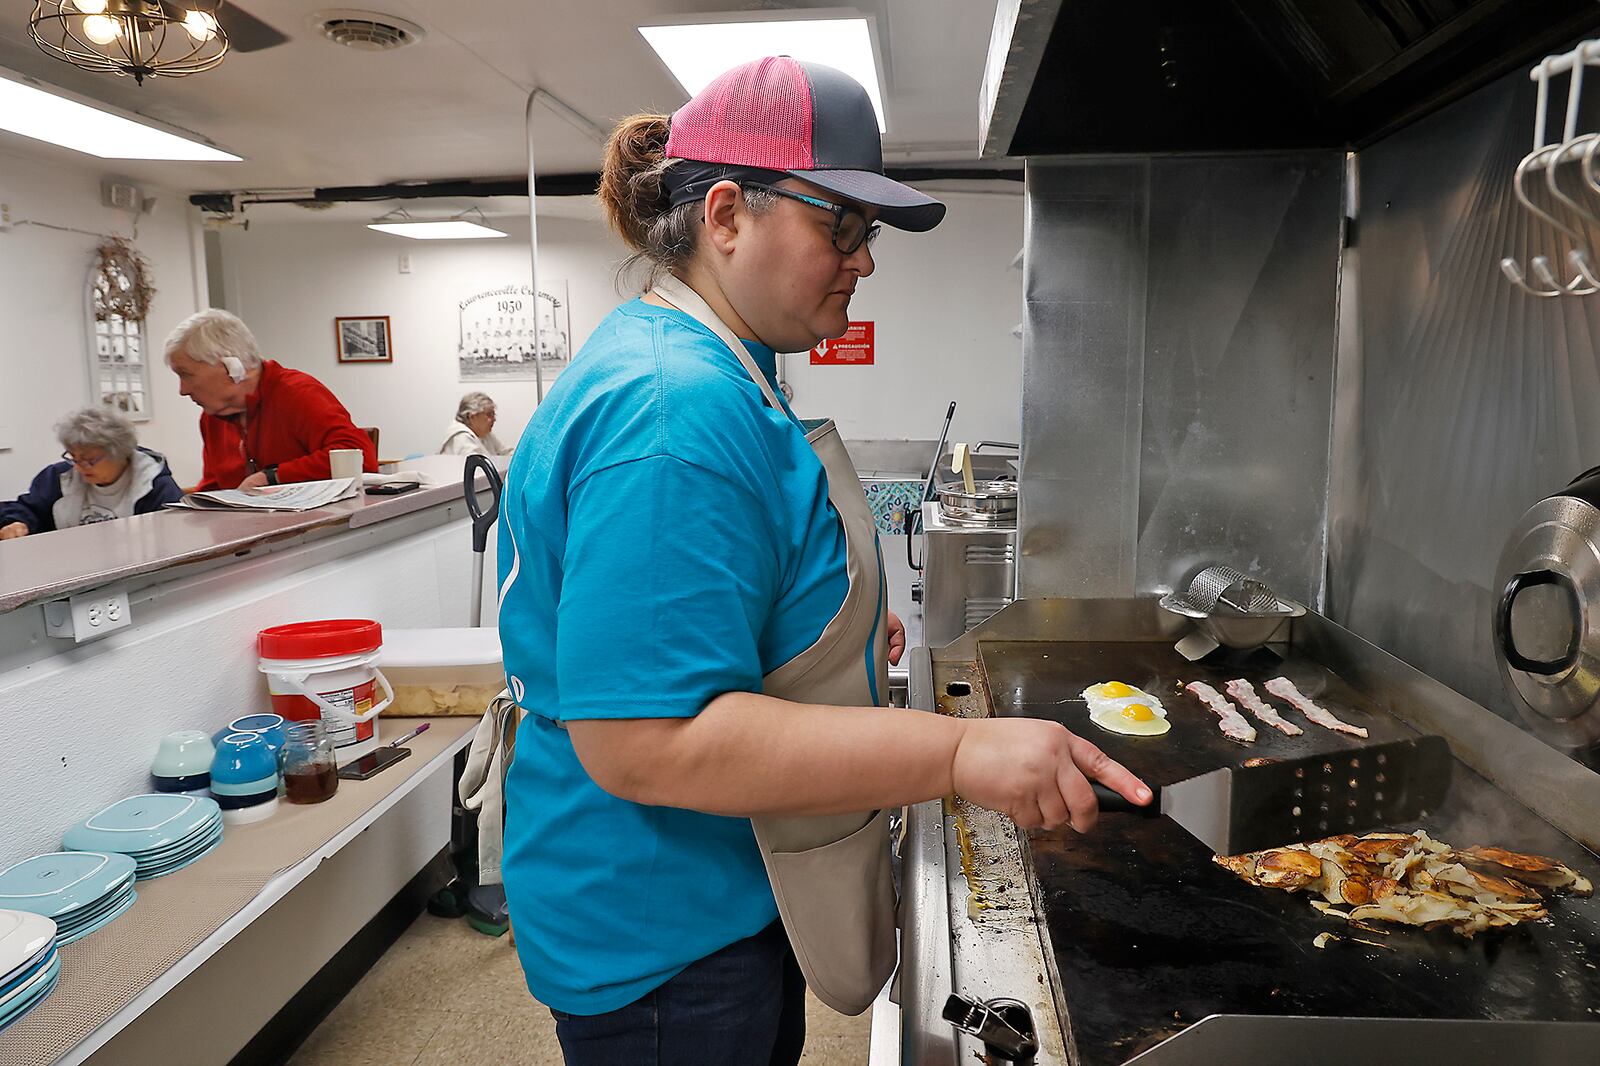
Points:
[1284,689]
[1233,724]
[1244,694]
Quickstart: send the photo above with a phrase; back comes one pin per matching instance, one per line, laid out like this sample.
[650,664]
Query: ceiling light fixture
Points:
[28,108]
[400,223]
[137,38]
[698,49]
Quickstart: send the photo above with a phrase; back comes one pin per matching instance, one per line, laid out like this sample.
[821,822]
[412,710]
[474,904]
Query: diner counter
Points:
[51,566]
[200,586]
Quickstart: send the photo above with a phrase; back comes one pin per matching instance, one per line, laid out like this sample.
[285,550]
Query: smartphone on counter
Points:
[372,762]
[392,488]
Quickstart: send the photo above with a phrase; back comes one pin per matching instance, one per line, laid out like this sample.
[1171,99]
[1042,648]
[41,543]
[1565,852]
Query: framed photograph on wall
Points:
[498,327]
[364,339]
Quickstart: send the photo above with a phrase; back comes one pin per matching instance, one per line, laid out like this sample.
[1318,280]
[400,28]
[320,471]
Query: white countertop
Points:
[50,566]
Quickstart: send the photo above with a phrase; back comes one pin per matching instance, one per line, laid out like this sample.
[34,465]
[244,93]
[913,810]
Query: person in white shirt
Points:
[472,433]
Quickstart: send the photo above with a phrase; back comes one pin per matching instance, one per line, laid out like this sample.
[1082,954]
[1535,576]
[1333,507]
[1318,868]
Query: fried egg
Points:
[1120,708]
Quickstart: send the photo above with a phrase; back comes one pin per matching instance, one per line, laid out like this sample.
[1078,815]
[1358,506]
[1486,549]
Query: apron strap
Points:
[688,301]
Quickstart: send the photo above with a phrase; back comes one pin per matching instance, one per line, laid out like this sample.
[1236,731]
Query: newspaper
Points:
[301,496]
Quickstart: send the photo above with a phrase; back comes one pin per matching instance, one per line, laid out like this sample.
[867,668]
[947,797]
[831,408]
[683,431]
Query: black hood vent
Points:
[1250,75]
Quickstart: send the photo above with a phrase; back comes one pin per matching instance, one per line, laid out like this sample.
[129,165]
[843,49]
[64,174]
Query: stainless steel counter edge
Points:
[1564,792]
[1339,1041]
[925,961]
[55,565]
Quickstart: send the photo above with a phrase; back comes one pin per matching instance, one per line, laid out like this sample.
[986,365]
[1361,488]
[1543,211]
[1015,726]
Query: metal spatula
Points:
[1235,810]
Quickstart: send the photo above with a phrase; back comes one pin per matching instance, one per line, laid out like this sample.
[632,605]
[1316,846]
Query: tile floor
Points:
[445,995]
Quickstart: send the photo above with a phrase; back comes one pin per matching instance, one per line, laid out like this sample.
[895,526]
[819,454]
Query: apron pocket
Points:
[838,905]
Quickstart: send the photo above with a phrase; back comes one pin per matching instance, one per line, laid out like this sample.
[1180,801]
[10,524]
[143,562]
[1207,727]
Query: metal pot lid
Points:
[991,503]
[1546,630]
[997,491]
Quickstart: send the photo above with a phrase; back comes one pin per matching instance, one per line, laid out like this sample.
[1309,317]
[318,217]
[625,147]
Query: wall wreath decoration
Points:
[122,284]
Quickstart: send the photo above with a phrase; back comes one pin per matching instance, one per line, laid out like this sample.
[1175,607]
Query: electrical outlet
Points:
[405,262]
[89,616]
[6,210]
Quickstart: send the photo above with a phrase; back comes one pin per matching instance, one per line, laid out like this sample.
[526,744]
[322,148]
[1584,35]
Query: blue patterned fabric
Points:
[891,500]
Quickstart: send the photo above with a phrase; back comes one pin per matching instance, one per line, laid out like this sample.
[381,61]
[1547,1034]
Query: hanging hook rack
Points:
[1548,156]
[1576,257]
[1570,142]
[1540,265]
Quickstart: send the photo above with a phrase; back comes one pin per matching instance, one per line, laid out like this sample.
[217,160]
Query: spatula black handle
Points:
[1113,801]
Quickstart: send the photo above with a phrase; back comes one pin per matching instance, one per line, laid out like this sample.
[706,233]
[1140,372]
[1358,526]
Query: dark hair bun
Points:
[630,181]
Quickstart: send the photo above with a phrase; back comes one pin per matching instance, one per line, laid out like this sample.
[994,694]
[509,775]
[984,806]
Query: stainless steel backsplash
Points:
[1460,400]
[1178,370]
[1183,402]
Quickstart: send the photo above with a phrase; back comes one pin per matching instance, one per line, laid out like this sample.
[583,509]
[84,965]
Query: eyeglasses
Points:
[850,227]
[85,464]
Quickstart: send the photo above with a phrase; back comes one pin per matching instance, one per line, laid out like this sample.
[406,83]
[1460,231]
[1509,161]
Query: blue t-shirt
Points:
[665,537]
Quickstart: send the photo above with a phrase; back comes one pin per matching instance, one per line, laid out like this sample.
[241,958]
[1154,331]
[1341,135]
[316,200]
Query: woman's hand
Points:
[897,639]
[1036,773]
[258,480]
[13,530]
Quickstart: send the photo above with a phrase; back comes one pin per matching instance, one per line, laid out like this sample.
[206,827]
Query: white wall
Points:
[43,321]
[944,304]
[289,280]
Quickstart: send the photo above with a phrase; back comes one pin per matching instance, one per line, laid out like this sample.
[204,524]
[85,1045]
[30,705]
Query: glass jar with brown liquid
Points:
[310,771]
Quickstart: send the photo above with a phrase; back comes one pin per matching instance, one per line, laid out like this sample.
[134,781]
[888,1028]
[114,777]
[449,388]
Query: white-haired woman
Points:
[103,475]
[472,432]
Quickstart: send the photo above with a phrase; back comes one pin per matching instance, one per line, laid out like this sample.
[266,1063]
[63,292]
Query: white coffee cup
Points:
[346,462]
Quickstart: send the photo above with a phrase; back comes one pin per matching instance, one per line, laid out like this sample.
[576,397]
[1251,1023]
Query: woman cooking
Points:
[693,612]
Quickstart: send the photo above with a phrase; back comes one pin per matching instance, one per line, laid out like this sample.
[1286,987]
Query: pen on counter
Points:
[423,728]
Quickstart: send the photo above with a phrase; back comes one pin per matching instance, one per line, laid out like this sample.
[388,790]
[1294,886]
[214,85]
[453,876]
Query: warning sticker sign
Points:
[855,348]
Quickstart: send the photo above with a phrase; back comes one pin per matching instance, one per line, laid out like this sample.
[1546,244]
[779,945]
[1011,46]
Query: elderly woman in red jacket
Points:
[262,423]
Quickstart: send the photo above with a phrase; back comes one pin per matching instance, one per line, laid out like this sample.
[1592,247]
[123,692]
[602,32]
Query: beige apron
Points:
[830,874]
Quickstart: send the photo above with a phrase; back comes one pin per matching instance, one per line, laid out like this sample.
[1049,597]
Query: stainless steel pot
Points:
[991,503]
[1546,630]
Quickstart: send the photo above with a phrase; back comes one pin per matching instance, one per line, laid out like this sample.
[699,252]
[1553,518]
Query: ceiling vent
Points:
[367,31]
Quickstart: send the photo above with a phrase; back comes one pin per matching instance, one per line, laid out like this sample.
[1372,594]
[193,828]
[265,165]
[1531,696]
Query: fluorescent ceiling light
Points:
[452,230]
[48,116]
[697,53]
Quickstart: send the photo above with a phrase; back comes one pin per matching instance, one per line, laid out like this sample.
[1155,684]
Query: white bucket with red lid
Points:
[326,670]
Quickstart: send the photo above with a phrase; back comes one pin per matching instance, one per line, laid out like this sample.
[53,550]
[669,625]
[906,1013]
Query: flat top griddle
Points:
[1150,936]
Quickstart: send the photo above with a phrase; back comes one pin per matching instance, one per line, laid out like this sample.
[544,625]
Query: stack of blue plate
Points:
[29,965]
[161,832]
[80,891]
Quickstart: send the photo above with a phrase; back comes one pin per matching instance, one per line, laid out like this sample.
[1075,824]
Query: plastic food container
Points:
[327,670]
[438,672]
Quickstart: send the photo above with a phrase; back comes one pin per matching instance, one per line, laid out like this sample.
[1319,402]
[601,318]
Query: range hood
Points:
[1108,76]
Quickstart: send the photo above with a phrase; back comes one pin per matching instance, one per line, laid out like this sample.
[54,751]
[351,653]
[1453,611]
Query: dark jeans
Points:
[742,1006]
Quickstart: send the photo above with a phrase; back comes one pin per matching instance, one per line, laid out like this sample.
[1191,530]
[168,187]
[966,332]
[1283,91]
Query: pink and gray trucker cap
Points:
[791,119]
